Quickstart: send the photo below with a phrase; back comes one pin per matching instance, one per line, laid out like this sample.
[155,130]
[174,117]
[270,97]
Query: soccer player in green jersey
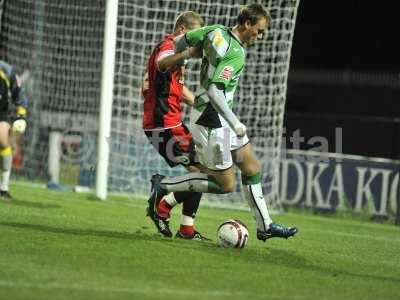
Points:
[219,136]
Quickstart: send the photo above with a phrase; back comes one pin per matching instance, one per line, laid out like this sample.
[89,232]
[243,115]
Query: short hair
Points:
[252,13]
[188,19]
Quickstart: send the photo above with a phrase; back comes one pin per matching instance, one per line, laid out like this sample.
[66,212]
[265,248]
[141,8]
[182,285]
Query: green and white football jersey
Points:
[223,62]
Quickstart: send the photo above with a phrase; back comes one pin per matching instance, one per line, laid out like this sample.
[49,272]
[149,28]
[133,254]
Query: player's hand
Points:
[145,85]
[191,52]
[19,126]
[196,52]
[240,129]
[145,82]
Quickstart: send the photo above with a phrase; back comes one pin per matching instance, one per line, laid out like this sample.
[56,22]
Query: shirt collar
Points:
[235,37]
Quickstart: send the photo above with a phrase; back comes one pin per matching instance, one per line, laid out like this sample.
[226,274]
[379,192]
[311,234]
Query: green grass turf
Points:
[57,245]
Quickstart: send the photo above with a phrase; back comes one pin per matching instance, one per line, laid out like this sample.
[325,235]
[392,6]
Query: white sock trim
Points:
[170,199]
[5,180]
[187,220]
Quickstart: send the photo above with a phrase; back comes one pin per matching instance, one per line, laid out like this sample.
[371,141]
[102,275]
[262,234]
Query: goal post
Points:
[65,60]
[106,99]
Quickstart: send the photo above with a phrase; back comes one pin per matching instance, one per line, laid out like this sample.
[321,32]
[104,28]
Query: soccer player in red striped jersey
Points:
[163,91]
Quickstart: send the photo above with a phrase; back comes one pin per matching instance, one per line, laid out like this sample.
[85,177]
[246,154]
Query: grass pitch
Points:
[57,245]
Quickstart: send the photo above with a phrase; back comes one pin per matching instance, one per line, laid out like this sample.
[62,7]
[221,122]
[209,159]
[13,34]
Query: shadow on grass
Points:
[282,257]
[18,202]
[92,197]
[138,235]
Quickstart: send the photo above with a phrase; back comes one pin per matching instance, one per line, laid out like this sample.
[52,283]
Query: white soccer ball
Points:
[232,234]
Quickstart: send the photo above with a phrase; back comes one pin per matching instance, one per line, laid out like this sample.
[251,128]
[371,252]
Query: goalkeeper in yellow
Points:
[219,136]
[14,123]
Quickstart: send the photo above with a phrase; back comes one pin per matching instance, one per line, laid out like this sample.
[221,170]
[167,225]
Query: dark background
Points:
[345,73]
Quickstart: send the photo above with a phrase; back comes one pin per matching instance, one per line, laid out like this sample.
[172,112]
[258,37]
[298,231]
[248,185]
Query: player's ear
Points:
[182,29]
[247,24]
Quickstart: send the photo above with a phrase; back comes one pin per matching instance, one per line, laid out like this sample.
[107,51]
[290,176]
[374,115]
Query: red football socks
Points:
[163,209]
[187,230]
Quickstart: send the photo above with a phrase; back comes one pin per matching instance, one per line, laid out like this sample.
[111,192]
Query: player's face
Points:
[255,32]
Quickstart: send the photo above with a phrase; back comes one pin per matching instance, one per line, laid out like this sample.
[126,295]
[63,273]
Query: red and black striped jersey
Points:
[162,99]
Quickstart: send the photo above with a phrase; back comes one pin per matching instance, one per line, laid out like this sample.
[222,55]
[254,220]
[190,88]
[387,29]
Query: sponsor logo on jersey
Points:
[218,39]
[226,73]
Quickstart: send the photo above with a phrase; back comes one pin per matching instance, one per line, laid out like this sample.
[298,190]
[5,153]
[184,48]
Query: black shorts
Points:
[5,116]
[174,144]
[4,113]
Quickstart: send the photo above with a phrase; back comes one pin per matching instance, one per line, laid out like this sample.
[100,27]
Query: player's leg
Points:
[214,182]
[213,150]
[251,181]
[5,157]
[190,205]
[219,181]
[183,150]
[176,146]
[246,160]
[190,184]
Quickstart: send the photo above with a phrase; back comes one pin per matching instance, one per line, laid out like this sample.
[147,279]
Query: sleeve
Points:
[166,49]
[220,104]
[227,70]
[18,94]
[195,38]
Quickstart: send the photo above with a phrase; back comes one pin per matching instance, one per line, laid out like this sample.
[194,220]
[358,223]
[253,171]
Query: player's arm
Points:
[187,96]
[193,38]
[145,83]
[20,101]
[227,72]
[220,104]
[186,46]
[176,59]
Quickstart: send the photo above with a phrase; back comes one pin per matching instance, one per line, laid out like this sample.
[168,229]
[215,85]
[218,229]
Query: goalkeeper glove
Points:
[19,124]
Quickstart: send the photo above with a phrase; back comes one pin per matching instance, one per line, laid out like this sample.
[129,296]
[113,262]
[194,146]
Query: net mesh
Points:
[59,46]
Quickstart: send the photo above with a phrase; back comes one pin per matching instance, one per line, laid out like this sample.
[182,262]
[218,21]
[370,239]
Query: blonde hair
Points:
[188,19]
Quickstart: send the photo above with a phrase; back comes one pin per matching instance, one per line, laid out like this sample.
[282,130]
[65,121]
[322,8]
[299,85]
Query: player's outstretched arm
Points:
[183,50]
[220,104]
[176,59]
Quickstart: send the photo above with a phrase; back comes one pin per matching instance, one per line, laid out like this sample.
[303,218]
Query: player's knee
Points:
[4,132]
[256,167]
[251,168]
[229,187]
[4,144]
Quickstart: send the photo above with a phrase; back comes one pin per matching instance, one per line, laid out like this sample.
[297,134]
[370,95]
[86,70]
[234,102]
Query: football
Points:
[232,234]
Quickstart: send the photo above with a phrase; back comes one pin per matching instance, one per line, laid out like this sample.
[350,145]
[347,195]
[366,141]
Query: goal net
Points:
[58,46]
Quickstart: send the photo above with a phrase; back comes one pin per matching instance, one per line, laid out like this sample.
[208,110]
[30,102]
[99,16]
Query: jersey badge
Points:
[226,73]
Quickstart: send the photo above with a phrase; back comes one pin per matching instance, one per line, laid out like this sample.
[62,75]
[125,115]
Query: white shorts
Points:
[214,145]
